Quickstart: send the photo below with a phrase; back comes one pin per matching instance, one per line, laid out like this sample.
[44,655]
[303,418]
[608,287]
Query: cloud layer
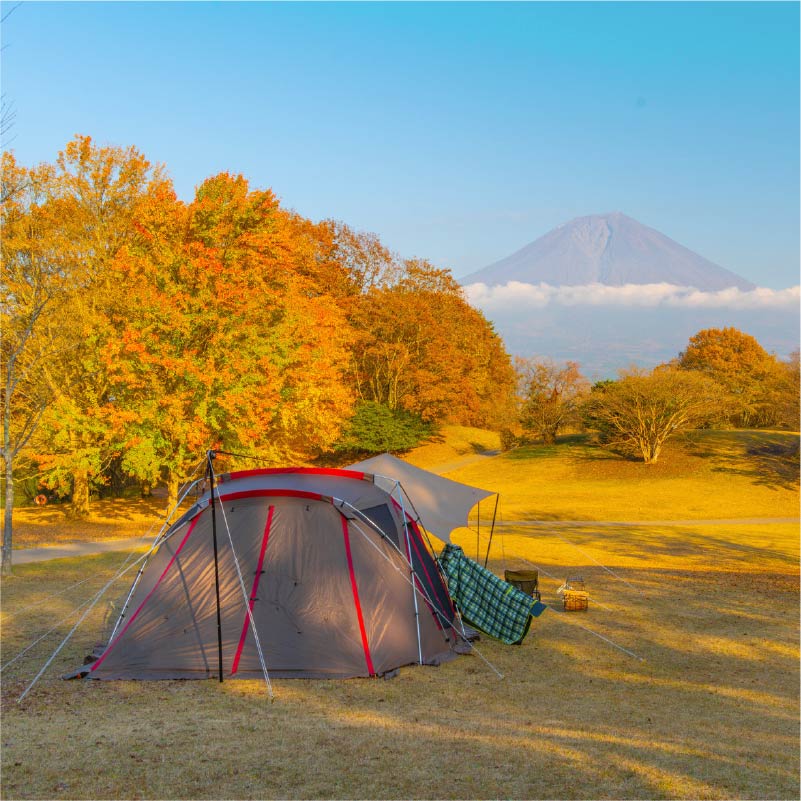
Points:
[517,295]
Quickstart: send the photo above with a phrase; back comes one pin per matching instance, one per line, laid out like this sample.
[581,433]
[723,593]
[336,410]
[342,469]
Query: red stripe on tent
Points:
[430,582]
[147,597]
[346,535]
[409,556]
[253,592]
[416,529]
[312,471]
[266,493]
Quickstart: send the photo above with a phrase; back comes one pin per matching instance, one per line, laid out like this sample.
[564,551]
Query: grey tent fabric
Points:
[442,504]
[330,591]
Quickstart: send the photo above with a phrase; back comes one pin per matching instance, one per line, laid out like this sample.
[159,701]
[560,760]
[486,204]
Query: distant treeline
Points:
[724,378]
[140,330]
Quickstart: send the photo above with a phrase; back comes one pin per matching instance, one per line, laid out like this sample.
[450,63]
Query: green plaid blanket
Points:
[486,601]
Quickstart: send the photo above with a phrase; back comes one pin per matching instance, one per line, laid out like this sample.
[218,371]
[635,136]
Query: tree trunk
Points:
[5,569]
[80,493]
[549,435]
[650,453]
[173,484]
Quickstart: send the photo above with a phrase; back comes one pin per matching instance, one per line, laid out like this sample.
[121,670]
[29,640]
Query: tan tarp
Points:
[442,504]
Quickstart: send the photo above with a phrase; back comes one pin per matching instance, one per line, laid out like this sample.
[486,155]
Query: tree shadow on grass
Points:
[769,459]
[570,446]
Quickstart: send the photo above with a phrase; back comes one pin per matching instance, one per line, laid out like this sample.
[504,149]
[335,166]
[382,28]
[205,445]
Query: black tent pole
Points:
[211,455]
[478,531]
[492,530]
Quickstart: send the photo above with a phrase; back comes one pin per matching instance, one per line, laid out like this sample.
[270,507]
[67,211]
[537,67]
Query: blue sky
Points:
[456,132]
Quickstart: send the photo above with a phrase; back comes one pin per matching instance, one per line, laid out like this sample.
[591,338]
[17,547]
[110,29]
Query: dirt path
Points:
[463,462]
[25,556]
[740,521]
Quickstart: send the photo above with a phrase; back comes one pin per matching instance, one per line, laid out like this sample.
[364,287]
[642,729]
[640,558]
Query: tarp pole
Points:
[478,530]
[492,530]
[210,455]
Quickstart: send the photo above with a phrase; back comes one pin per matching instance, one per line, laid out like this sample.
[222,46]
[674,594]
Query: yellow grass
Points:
[707,708]
[116,518]
[454,445]
[711,474]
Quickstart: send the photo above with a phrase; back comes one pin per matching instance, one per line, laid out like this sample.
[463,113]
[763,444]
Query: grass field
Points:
[706,707]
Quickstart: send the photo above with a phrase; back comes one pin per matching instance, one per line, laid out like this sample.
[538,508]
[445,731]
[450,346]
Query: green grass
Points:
[711,711]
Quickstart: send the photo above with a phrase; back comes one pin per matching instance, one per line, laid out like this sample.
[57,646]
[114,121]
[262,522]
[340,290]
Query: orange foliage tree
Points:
[96,194]
[229,339]
[550,395]
[227,322]
[640,411]
[751,377]
[423,348]
[32,288]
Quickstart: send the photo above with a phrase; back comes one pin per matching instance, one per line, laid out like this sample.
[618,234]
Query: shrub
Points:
[375,428]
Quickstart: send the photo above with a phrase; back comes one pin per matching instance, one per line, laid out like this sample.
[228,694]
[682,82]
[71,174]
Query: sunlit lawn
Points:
[454,445]
[706,707]
[111,518]
[706,475]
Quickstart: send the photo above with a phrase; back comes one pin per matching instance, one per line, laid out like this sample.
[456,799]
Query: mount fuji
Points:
[609,249]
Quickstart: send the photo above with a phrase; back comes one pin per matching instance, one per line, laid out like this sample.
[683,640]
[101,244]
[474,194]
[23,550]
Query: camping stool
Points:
[526,580]
[574,595]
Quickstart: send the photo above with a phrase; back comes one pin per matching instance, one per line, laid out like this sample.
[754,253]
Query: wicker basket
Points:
[575,600]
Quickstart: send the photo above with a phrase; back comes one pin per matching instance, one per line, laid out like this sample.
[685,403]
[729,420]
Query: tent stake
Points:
[211,455]
[492,530]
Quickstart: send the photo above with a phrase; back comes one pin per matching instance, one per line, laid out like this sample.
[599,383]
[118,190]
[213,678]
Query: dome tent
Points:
[321,573]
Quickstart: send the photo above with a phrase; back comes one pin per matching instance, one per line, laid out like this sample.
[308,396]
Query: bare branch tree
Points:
[641,411]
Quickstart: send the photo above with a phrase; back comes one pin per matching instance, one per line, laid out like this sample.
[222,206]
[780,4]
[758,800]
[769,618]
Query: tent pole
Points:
[492,530]
[210,455]
[156,544]
[412,577]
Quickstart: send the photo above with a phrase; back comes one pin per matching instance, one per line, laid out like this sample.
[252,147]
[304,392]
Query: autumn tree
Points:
[98,192]
[31,290]
[230,340]
[366,262]
[226,322]
[787,392]
[749,375]
[422,348]
[550,395]
[640,411]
